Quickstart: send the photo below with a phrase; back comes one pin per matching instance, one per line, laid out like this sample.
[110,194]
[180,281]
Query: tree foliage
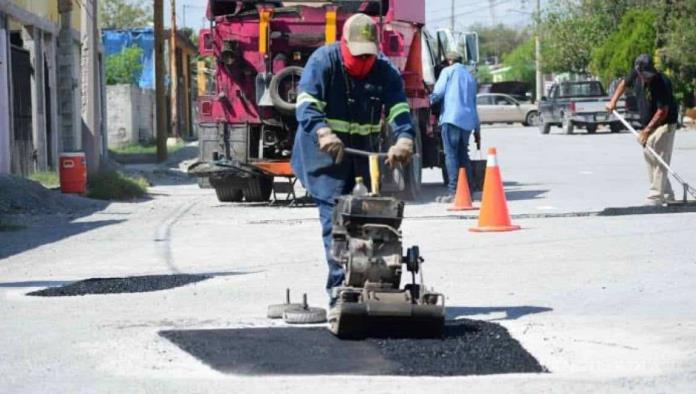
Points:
[496,41]
[569,34]
[680,47]
[635,35]
[522,63]
[572,29]
[125,14]
[483,74]
[125,67]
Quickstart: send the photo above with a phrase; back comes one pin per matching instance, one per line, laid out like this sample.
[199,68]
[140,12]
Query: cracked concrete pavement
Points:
[605,303]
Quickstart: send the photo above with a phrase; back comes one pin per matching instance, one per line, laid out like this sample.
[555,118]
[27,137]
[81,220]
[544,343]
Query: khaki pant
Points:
[662,142]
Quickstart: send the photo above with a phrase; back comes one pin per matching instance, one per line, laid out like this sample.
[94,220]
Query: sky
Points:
[467,13]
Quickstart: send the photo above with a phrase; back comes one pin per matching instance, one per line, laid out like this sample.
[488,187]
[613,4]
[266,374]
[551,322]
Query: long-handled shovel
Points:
[687,189]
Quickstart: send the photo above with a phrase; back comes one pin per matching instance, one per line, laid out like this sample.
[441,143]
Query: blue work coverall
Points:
[457,90]
[354,110]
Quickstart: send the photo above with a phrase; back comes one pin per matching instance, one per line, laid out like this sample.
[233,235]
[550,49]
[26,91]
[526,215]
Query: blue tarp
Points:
[115,40]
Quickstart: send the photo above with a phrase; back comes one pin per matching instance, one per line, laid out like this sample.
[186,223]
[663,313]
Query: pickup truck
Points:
[577,104]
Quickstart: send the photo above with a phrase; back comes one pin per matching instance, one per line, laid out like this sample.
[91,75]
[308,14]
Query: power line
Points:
[470,11]
[448,9]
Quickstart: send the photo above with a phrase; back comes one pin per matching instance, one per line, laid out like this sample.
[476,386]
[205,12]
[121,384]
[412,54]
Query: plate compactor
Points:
[367,242]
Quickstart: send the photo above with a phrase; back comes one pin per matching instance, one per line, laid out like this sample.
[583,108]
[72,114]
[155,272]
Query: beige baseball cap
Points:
[360,33]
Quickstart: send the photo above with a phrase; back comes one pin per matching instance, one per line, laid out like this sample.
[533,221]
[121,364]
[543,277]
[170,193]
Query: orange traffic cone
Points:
[494,210]
[462,199]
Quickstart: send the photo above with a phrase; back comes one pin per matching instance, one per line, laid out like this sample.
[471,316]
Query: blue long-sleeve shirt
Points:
[354,110]
[458,88]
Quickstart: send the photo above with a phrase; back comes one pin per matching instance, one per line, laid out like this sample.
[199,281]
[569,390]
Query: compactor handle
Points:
[364,153]
[374,166]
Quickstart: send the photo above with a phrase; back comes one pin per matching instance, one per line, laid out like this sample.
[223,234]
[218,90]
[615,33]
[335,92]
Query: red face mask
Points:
[357,66]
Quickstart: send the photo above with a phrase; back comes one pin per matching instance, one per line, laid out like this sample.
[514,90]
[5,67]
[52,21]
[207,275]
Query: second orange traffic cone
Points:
[462,199]
[494,210]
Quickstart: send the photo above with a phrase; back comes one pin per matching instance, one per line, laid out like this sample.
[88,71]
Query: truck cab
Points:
[579,104]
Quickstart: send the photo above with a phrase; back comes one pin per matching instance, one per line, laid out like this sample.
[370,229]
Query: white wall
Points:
[4,102]
[130,115]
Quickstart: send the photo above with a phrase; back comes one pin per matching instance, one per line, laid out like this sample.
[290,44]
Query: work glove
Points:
[330,143]
[400,152]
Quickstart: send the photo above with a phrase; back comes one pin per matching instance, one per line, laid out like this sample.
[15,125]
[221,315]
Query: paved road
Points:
[605,303]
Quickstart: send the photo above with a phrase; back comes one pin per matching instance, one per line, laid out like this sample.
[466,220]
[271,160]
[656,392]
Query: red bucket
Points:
[73,172]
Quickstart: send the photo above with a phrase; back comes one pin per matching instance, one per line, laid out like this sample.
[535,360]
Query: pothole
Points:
[132,284]
[468,347]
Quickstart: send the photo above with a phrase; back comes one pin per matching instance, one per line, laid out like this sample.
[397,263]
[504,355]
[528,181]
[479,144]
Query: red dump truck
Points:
[259,49]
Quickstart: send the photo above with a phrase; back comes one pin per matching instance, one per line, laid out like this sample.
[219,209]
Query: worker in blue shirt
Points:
[346,91]
[457,90]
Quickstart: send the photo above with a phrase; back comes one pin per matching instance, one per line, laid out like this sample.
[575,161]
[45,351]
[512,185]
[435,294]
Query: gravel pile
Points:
[22,196]
[468,348]
[133,284]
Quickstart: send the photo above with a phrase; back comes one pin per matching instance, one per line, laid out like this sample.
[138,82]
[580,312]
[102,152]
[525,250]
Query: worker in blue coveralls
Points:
[457,89]
[345,92]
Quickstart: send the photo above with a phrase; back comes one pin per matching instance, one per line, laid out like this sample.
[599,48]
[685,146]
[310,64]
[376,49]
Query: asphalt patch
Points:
[679,207]
[468,347]
[132,284]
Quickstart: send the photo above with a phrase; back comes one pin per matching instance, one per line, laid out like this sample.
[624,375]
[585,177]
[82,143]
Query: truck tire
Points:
[591,128]
[616,127]
[544,128]
[259,189]
[280,99]
[228,193]
[568,126]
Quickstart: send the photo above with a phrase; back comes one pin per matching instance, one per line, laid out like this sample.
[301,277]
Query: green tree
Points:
[125,14]
[496,41]
[522,63]
[125,67]
[571,30]
[635,35]
[680,48]
[568,37]
[483,74]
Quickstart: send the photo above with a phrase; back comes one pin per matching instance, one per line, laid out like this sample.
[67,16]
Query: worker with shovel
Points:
[345,90]
[658,118]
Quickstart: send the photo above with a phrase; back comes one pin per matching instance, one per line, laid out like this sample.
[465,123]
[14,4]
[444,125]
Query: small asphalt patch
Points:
[133,284]
[678,207]
[468,347]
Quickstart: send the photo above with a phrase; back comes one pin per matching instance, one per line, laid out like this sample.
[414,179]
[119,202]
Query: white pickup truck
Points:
[573,105]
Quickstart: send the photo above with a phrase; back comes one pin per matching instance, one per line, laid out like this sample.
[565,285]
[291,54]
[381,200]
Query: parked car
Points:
[577,104]
[502,108]
[516,89]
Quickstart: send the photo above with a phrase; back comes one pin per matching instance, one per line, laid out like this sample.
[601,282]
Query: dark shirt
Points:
[653,95]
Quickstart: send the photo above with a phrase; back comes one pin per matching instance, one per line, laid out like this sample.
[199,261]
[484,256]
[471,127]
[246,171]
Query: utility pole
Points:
[173,74]
[160,103]
[91,130]
[537,50]
[452,18]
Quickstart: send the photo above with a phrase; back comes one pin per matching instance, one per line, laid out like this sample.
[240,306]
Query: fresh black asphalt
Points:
[468,348]
[133,284]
